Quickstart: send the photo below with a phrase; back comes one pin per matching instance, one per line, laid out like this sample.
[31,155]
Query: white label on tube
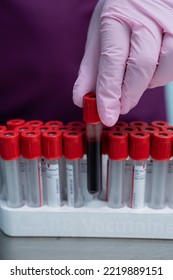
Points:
[70,184]
[138,186]
[53,184]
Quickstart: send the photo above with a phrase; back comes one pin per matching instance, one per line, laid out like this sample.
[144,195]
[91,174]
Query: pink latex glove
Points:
[129,48]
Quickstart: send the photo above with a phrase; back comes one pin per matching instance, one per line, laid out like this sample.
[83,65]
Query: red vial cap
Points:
[90,113]
[105,139]
[150,129]
[2,128]
[23,128]
[160,124]
[62,128]
[52,144]
[161,148]
[54,124]
[9,145]
[139,148]
[35,123]
[129,129]
[76,124]
[31,144]
[11,124]
[138,124]
[168,129]
[121,124]
[118,145]
[43,128]
[73,145]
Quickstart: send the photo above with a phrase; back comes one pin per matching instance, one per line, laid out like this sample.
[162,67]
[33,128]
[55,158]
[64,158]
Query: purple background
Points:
[41,46]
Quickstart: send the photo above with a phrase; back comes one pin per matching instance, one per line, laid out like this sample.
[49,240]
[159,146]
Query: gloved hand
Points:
[129,48]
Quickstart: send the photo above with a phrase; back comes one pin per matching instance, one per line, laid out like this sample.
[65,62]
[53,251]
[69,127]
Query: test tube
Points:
[12,124]
[151,130]
[118,152]
[52,152]
[21,129]
[139,151]
[10,154]
[93,137]
[31,151]
[161,150]
[73,152]
[2,189]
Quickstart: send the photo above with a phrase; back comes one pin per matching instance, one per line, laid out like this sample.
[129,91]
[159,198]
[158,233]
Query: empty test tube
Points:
[161,150]
[139,151]
[52,153]
[93,138]
[118,152]
[35,123]
[31,152]
[2,189]
[54,124]
[161,125]
[10,154]
[73,152]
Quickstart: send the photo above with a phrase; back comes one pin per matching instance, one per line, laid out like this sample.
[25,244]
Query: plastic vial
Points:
[31,152]
[161,150]
[20,130]
[52,153]
[139,151]
[73,152]
[93,137]
[2,189]
[12,124]
[10,154]
[151,130]
[118,152]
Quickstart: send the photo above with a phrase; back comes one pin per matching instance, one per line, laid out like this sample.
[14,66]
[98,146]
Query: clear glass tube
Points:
[169,187]
[43,175]
[158,185]
[53,182]
[94,157]
[127,179]
[74,189]
[115,183]
[34,182]
[137,198]
[12,177]
[149,171]
[3,194]
[64,180]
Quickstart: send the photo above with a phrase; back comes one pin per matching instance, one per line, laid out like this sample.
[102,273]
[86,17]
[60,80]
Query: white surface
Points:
[93,220]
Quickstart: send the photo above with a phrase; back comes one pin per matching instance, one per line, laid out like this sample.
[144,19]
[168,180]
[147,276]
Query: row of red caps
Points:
[34,139]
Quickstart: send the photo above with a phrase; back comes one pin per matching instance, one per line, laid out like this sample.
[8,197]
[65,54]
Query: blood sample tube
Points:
[93,136]
[139,151]
[161,150]
[151,130]
[10,154]
[73,152]
[54,124]
[35,123]
[121,124]
[31,151]
[160,124]
[21,129]
[2,189]
[118,152]
[52,152]
[11,124]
